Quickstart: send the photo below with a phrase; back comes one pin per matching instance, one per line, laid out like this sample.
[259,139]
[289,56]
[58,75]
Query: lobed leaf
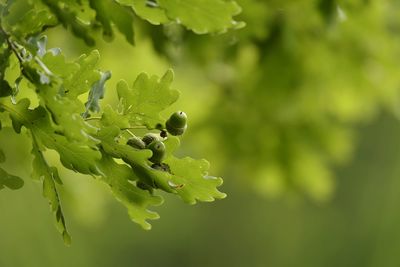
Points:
[10,181]
[5,52]
[76,156]
[150,12]
[113,117]
[60,98]
[24,18]
[49,175]
[190,177]
[136,200]
[66,13]
[187,177]
[81,80]
[203,16]
[108,11]
[200,16]
[96,93]
[149,96]
[136,158]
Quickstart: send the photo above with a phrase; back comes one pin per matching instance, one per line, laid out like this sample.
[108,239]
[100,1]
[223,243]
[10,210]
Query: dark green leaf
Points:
[10,181]
[96,93]
[66,14]
[5,89]
[5,52]
[153,14]
[49,175]
[108,11]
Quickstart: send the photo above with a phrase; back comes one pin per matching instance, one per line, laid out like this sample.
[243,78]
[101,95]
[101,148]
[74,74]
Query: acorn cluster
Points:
[175,125]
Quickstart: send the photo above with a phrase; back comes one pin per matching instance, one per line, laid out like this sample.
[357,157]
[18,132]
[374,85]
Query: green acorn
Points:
[136,142]
[177,123]
[158,149]
[149,138]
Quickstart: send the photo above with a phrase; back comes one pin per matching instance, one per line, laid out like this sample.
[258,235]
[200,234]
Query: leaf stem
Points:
[12,46]
[7,108]
[134,127]
[16,48]
[130,133]
[92,118]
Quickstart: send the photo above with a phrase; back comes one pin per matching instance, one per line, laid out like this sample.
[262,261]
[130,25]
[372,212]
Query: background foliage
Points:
[299,105]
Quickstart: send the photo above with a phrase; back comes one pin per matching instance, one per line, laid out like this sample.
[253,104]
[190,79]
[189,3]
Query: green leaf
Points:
[190,177]
[77,156]
[66,13]
[96,93]
[61,97]
[58,65]
[108,11]
[49,175]
[4,57]
[147,98]
[151,13]
[5,89]
[24,18]
[85,75]
[5,52]
[119,178]
[187,177]
[113,117]
[136,158]
[203,16]
[10,181]
[64,82]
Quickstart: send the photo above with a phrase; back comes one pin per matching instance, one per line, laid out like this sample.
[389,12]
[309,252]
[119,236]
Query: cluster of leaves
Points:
[297,80]
[89,138]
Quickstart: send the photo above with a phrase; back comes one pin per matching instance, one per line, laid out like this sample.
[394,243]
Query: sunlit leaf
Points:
[73,155]
[119,177]
[147,98]
[190,177]
[202,16]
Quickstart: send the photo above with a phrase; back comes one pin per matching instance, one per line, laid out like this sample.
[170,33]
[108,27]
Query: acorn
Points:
[149,138]
[177,123]
[158,149]
[136,142]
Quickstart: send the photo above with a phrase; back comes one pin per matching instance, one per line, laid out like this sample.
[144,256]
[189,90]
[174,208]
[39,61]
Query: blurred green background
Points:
[298,112]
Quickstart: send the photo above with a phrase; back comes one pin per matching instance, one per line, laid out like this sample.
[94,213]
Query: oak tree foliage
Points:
[66,114]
